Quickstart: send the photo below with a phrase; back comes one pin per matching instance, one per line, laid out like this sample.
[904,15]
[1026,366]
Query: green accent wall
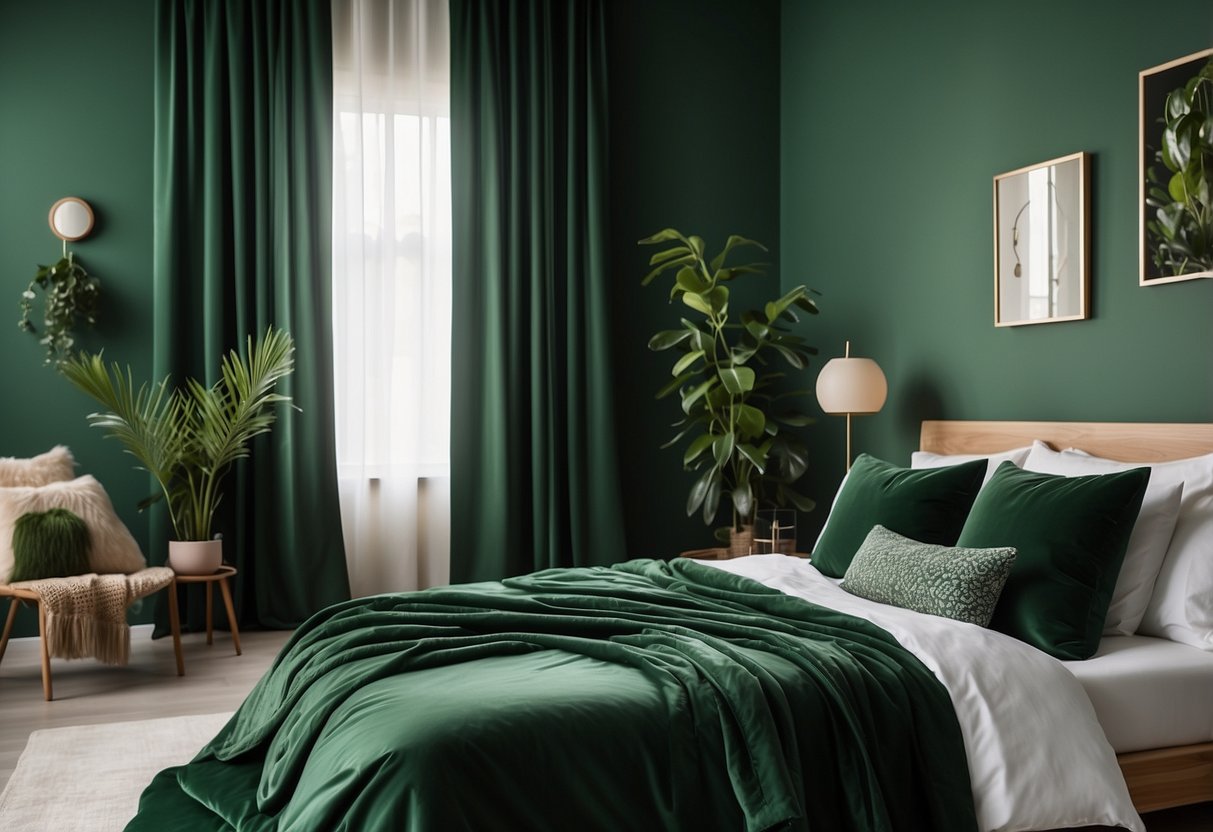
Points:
[76,120]
[694,99]
[895,118]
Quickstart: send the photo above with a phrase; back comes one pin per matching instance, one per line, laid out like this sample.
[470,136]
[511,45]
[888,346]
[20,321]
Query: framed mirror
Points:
[1175,105]
[1042,243]
[71,219]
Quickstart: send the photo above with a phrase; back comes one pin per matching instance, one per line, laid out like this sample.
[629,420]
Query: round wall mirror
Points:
[71,219]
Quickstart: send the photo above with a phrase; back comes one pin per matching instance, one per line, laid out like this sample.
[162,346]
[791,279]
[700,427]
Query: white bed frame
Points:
[1163,777]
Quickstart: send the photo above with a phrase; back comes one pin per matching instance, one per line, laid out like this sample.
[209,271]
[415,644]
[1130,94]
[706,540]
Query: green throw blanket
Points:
[648,695]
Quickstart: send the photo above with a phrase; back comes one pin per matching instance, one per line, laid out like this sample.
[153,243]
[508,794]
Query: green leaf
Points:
[1177,187]
[663,236]
[672,385]
[801,502]
[796,420]
[733,242]
[668,338]
[697,302]
[743,500]
[698,445]
[699,491]
[722,449]
[669,253]
[750,420]
[754,456]
[794,358]
[711,500]
[669,264]
[690,280]
[686,361]
[696,393]
[737,380]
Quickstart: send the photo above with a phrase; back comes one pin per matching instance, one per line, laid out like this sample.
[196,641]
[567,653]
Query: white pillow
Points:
[926,459]
[112,549]
[1168,609]
[56,465]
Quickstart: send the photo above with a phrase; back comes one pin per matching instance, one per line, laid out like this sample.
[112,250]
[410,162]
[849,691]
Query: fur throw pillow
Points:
[112,549]
[56,465]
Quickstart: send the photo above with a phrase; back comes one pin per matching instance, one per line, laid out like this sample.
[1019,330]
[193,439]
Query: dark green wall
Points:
[895,118]
[76,119]
[694,91]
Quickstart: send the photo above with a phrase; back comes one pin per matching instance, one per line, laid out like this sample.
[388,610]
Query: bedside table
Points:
[220,577]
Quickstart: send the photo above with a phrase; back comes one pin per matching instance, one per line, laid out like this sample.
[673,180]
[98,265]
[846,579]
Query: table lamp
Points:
[851,386]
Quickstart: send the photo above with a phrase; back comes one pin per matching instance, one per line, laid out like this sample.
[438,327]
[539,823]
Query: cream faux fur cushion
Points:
[56,465]
[112,548]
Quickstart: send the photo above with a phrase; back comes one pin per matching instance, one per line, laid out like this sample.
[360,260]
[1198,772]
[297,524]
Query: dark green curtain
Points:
[242,213]
[534,478]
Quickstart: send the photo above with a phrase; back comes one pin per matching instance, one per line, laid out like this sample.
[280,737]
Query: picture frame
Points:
[1161,214]
[1042,242]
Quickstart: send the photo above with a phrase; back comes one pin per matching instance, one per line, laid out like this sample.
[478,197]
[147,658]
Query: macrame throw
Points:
[86,614]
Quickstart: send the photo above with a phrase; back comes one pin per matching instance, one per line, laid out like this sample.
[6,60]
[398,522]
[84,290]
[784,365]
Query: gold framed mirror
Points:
[1042,242]
[71,219]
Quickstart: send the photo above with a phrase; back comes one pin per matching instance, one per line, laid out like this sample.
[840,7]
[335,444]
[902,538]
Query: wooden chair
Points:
[20,594]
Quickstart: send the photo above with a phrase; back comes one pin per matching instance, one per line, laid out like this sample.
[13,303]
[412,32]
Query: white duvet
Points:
[1038,758]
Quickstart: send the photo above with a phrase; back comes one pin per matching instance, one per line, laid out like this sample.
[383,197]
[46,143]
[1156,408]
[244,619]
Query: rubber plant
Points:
[1181,233]
[72,295]
[737,420]
[189,438]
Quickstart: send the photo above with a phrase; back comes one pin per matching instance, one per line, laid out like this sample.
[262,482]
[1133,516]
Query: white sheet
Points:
[1149,692]
[1037,756]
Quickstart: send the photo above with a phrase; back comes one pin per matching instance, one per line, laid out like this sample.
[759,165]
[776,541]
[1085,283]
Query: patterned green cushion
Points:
[49,544]
[963,584]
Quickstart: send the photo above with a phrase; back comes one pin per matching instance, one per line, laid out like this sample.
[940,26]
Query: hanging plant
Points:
[1181,233]
[72,296]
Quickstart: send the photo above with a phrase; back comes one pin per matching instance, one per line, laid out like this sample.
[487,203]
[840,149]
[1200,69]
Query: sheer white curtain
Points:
[392,289]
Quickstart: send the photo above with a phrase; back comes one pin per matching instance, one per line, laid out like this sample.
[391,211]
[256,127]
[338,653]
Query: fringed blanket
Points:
[86,614]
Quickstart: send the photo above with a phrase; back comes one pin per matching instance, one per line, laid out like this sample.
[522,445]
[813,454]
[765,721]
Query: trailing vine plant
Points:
[72,296]
[1181,233]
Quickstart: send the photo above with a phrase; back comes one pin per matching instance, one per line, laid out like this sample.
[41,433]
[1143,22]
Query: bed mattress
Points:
[1149,692]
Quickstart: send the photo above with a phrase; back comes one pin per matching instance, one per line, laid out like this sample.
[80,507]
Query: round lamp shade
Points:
[851,385]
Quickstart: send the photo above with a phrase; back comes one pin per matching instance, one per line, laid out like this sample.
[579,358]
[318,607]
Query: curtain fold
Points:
[243,107]
[534,478]
[392,289]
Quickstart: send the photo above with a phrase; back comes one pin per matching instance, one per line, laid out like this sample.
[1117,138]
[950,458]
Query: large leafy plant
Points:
[71,297]
[726,378]
[1181,233]
[188,438]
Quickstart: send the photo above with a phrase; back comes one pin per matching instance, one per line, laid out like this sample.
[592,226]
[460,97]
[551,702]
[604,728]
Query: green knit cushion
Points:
[952,581]
[49,544]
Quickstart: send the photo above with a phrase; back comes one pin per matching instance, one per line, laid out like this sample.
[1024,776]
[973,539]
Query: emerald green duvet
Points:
[648,695]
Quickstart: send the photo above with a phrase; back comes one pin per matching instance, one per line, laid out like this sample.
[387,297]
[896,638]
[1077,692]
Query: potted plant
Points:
[72,294]
[735,417]
[189,438]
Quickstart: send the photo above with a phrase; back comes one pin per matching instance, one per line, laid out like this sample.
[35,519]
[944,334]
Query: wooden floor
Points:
[215,680]
[87,692]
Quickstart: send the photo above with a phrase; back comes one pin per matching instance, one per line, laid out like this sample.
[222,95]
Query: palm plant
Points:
[188,439]
[725,377]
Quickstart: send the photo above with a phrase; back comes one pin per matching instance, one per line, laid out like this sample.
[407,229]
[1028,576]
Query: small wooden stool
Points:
[219,577]
[17,595]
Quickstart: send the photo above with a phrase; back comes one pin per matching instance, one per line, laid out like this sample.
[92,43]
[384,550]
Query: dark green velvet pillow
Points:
[49,544]
[928,505]
[1071,534]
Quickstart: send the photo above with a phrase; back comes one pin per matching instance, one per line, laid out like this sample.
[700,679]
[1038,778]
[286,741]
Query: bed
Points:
[1158,776]
[688,695]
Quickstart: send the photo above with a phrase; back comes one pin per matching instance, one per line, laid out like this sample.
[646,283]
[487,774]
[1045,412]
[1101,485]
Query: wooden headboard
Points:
[1127,441]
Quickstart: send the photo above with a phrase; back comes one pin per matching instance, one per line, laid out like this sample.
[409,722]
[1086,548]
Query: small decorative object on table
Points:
[775,531]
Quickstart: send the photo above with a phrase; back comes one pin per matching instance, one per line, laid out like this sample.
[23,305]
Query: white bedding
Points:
[1037,756]
[1149,692]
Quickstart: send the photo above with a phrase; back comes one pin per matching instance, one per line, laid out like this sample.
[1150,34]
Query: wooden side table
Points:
[220,577]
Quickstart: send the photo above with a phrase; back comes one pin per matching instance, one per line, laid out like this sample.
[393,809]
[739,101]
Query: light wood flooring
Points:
[88,692]
[215,680]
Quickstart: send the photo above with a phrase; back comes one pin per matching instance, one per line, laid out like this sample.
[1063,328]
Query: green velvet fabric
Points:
[1070,534]
[243,118]
[928,505]
[49,544]
[533,470]
[650,695]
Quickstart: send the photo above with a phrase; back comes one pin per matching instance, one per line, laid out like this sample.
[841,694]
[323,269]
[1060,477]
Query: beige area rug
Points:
[88,778]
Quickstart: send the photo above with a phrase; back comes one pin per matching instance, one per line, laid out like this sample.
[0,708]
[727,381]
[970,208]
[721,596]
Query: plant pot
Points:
[195,557]
[741,542]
